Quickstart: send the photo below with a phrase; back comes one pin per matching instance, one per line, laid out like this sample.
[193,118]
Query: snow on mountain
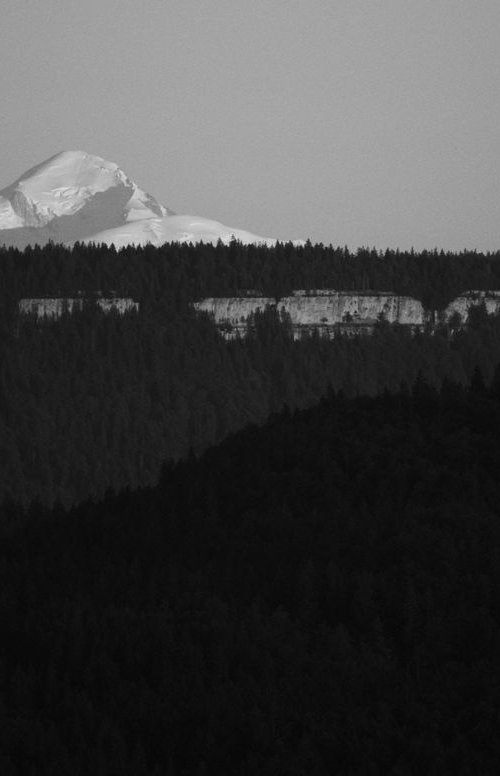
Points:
[63,184]
[75,196]
[174,228]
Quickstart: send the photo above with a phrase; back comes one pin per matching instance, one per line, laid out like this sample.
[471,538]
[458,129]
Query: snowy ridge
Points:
[61,186]
[174,229]
[75,196]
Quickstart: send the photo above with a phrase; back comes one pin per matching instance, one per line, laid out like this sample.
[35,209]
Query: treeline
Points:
[317,596]
[94,401]
[176,273]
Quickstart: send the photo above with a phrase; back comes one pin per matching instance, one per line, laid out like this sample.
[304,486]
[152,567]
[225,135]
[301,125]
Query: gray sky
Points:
[358,122]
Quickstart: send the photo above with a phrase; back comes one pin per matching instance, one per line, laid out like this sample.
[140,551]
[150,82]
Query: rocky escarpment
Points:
[55,307]
[328,311]
[459,308]
[313,308]
[324,311]
[232,314]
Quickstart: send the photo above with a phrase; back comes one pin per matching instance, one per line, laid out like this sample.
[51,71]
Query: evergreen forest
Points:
[317,595]
[93,401]
[255,557]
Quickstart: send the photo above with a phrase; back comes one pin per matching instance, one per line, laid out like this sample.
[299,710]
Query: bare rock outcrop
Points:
[328,311]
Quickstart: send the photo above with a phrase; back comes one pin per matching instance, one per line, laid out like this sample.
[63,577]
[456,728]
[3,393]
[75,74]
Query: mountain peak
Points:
[69,162]
[77,196]
[61,186]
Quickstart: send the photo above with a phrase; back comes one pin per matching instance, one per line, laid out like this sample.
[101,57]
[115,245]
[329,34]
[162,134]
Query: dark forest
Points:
[315,596]
[258,556]
[96,401]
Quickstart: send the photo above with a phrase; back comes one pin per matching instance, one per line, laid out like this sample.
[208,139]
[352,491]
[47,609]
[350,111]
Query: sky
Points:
[352,122]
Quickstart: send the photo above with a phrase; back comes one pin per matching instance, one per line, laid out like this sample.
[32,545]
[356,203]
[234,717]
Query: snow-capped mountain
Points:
[75,196]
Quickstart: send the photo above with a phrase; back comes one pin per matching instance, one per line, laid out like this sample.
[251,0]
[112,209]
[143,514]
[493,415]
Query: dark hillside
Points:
[92,402]
[319,595]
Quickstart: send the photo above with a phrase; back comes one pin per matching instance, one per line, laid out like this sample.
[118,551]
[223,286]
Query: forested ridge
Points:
[315,596]
[95,401]
[175,273]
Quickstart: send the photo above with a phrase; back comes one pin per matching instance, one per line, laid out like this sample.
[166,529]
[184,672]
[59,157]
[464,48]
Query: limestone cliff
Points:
[314,308]
[55,307]
[231,314]
[328,311]
[462,304]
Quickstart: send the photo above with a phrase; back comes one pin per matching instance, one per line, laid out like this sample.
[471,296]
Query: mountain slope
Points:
[75,196]
[316,596]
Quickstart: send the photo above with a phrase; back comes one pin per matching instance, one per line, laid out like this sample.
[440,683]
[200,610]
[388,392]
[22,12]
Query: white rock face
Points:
[328,308]
[462,304]
[55,307]
[75,196]
[324,311]
[327,311]
[233,312]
